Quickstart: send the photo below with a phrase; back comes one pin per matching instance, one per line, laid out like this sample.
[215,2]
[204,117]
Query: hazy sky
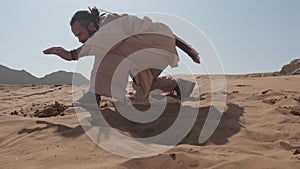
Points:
[249,35]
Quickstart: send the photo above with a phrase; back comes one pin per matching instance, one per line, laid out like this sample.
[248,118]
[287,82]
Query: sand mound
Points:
[56,109]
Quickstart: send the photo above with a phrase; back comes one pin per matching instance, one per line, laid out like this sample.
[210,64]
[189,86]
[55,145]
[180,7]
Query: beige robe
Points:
[126,43]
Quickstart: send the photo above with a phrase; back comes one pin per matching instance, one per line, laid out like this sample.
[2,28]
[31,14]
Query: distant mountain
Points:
[11,76]
[62,77]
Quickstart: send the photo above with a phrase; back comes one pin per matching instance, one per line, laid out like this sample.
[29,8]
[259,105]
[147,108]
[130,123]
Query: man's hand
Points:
[194,55]
[59,51]
[53,50]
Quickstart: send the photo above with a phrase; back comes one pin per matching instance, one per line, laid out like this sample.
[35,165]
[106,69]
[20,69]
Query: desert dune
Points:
[260,128]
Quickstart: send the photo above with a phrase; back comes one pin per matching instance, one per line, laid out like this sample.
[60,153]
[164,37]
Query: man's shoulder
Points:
[110,17]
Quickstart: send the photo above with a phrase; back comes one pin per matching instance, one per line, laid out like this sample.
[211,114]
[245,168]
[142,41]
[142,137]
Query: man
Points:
[126,45]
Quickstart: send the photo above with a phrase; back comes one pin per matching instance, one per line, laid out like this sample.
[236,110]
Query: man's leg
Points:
[104,79]
[183,88]
[165,83]
[143,84]
[148,80]
[90,98]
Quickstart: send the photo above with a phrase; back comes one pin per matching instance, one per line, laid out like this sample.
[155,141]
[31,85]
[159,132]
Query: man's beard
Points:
[91,33]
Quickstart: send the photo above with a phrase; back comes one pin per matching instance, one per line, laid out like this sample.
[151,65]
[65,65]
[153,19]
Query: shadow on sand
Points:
[228,125]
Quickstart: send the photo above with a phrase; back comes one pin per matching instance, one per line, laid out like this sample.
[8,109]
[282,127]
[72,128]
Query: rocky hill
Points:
[292,68]
[11,76]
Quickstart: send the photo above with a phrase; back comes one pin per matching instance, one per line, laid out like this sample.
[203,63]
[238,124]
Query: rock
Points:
[296,72]
[51,110]
[276,74]
[173,156]
[297,151]
[292,68]
[294,112]
[14,113]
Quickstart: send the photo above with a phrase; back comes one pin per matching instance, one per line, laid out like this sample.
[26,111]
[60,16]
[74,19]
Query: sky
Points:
[249,36]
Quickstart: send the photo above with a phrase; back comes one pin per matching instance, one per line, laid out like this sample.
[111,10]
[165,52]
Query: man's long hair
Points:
[85,17]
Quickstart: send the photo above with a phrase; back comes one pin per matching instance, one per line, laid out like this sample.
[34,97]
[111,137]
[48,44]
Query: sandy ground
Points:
[259,129]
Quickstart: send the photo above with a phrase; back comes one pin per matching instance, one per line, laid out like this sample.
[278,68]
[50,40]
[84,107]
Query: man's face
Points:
[80,31]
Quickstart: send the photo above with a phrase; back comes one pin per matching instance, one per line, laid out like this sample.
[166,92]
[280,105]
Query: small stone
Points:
[14,113]
[294,112]
[235,91]
[173,156]
[297,151]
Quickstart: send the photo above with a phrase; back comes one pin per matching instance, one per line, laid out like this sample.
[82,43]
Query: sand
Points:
[259,129]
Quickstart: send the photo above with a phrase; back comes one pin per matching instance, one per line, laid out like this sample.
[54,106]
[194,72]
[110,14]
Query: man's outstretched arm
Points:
[187,49]
[63,53]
